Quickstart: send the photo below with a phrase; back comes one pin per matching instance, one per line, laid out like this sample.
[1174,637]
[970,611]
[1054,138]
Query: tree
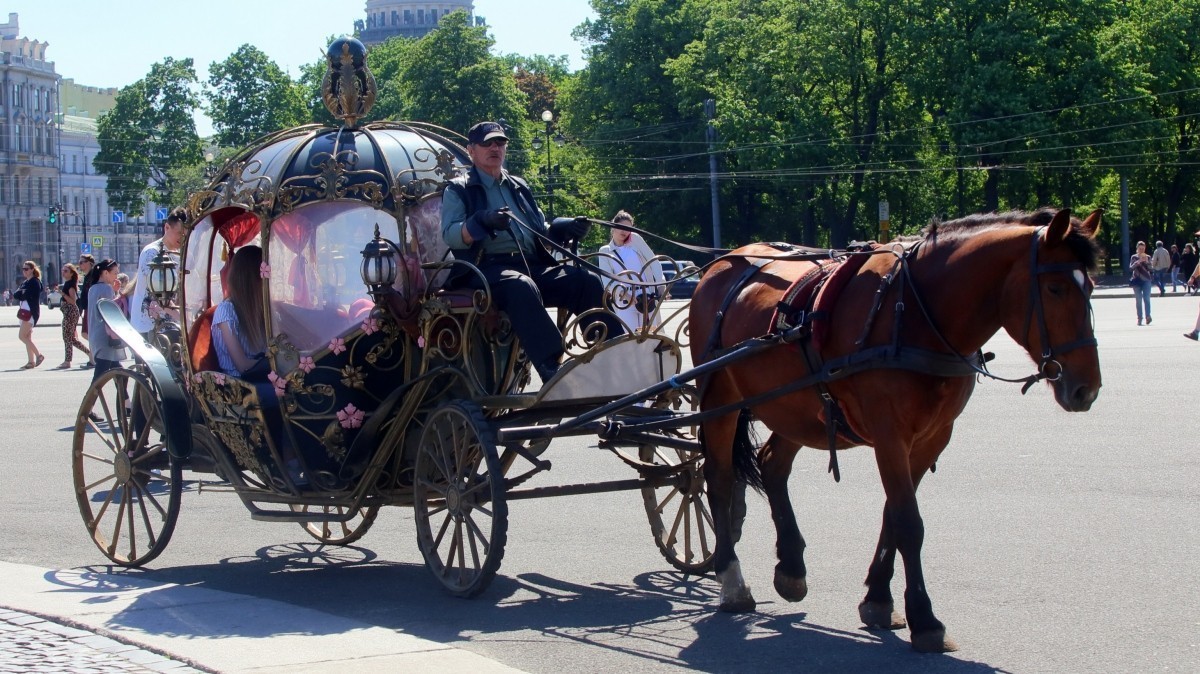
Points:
[148,136]
[250,96]
[453,80]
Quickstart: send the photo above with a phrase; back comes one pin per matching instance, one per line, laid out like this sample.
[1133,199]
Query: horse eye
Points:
[1056,289]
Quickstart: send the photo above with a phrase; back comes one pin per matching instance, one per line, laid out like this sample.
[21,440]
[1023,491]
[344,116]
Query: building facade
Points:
[86,215]
[29,145]
[405,18]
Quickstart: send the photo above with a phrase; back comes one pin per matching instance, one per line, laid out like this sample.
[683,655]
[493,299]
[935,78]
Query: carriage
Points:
[387,388]
[384,387]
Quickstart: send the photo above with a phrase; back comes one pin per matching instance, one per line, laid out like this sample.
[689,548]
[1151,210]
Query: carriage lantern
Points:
[379,264]
[164,277]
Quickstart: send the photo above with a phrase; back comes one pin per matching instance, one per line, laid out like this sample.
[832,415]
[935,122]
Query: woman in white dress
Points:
[627,256]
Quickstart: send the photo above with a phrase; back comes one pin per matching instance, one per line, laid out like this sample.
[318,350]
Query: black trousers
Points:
[524,293]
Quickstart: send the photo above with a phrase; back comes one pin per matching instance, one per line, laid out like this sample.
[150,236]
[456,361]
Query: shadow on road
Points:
[663,618]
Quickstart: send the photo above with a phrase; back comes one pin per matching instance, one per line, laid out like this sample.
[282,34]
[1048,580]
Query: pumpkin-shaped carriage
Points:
[378,386]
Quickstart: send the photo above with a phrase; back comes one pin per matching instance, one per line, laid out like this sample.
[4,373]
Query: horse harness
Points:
[802,319]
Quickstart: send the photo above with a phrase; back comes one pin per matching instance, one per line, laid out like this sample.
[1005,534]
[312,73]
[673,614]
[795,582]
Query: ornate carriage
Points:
[382,387]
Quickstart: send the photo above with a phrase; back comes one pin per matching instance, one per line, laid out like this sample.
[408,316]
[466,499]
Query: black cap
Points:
[484,131]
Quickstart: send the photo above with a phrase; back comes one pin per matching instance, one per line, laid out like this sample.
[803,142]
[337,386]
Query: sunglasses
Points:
[27,268]
[494,141]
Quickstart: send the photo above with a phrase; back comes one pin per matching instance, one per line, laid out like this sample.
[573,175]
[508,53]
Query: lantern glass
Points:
[379,264]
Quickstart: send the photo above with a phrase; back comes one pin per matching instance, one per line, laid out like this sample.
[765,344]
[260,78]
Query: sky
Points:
[112,44]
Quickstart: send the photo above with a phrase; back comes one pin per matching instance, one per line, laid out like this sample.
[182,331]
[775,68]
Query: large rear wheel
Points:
[459,499]
[126,483]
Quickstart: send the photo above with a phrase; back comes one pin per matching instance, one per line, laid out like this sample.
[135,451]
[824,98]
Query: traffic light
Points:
[53,215]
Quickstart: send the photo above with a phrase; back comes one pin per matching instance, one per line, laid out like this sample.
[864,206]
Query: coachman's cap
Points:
[485,131]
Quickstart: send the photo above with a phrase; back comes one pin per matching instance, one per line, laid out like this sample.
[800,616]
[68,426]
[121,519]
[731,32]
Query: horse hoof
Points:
[743,602]
[933,641]
[790,588]
[878,614]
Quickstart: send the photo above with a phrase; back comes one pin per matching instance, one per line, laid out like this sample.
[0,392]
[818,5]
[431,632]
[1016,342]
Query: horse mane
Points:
[1084,248]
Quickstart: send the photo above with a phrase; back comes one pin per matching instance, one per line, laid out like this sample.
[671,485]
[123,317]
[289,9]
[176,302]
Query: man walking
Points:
[1160,264]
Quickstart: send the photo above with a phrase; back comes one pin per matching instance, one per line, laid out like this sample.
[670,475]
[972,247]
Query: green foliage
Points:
[250,96]
[148,136]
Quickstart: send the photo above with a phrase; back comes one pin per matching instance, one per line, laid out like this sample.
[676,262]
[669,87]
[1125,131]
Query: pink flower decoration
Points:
[307,364]
[219,377]
[421,341]
[264,270]
[337,345]
[197,378]
[370,326]
[351,417]
[278,382]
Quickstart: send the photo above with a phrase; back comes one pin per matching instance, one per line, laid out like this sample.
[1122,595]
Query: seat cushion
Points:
[200,348]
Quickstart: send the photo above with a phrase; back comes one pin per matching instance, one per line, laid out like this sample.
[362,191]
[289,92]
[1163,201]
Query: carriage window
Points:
[315,253]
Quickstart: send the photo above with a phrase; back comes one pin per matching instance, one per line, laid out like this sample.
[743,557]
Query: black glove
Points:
[485,223]
[569,229]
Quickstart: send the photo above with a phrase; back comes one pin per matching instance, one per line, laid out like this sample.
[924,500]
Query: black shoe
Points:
[1148,320]
[95,417]
[1192,336]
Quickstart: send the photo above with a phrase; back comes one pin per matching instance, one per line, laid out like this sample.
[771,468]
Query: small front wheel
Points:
[459,499]
[335,532]
[127,484]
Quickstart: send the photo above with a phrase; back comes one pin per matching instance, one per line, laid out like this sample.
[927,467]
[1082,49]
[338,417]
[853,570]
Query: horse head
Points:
[1048,308]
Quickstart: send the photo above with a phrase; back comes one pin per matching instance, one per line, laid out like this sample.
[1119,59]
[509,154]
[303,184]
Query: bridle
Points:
[1050,353]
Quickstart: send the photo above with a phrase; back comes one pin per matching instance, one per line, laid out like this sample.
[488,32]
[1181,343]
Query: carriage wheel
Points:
[459,499]
[680,519]
[126,483]
[334,532]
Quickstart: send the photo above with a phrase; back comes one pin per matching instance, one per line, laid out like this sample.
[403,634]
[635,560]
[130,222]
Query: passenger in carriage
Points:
[489,218]
[238,334]
[628,252]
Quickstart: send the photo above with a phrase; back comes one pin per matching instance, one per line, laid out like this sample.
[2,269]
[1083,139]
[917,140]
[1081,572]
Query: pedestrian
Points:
[107,350]
[490,219]
[1187,267]
[1160,265]
[1139,279]
[31,310]
[1176,261]
[628,256]
[86,264]
[123,289]
[139,302]
[69,305]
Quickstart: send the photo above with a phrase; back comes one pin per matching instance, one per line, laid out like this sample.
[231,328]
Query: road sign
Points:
[118,217]
[97,242]
[85,248]
[883,211]
[160,214]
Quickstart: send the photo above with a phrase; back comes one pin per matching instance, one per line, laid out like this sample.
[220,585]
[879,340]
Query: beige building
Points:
[29,144]
[406,18]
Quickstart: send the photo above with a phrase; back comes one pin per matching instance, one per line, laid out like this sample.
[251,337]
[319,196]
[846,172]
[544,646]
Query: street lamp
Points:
[550,170]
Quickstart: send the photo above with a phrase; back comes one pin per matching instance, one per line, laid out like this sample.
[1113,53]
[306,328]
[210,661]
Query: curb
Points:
[220,631]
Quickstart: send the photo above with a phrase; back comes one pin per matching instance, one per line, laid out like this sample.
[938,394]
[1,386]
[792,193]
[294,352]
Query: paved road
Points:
[1055,542]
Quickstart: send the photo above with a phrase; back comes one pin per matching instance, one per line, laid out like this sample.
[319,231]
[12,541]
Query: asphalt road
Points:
[1055,542]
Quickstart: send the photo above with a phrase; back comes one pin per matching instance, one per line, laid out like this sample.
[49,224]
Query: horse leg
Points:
[907,530]
[878,609]
[790,573]
[717,437]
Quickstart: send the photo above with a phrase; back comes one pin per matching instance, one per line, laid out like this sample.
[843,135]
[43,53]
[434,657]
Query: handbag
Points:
[646,302]
[24,313]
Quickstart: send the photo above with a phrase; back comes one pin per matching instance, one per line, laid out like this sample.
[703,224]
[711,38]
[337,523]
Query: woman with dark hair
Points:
[238,334]
[107,350]
[30,297]
[70,310]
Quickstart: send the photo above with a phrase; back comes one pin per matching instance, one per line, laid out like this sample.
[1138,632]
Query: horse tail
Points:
[745,453]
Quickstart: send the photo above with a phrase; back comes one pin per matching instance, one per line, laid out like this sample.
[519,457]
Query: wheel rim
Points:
[461,512]
[127,487]
[334,532]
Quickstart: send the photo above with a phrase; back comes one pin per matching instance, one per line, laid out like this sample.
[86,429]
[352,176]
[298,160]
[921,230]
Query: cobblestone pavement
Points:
[32,644]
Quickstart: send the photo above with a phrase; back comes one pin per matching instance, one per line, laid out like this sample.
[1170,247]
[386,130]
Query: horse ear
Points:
[1091,225]
[1060,227]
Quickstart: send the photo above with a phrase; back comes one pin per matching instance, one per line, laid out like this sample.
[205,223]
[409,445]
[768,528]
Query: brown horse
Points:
[917,316]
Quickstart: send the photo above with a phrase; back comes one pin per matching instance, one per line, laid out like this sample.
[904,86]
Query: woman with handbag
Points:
[107,350]
[1140,278]
[627,256]
[30,297]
